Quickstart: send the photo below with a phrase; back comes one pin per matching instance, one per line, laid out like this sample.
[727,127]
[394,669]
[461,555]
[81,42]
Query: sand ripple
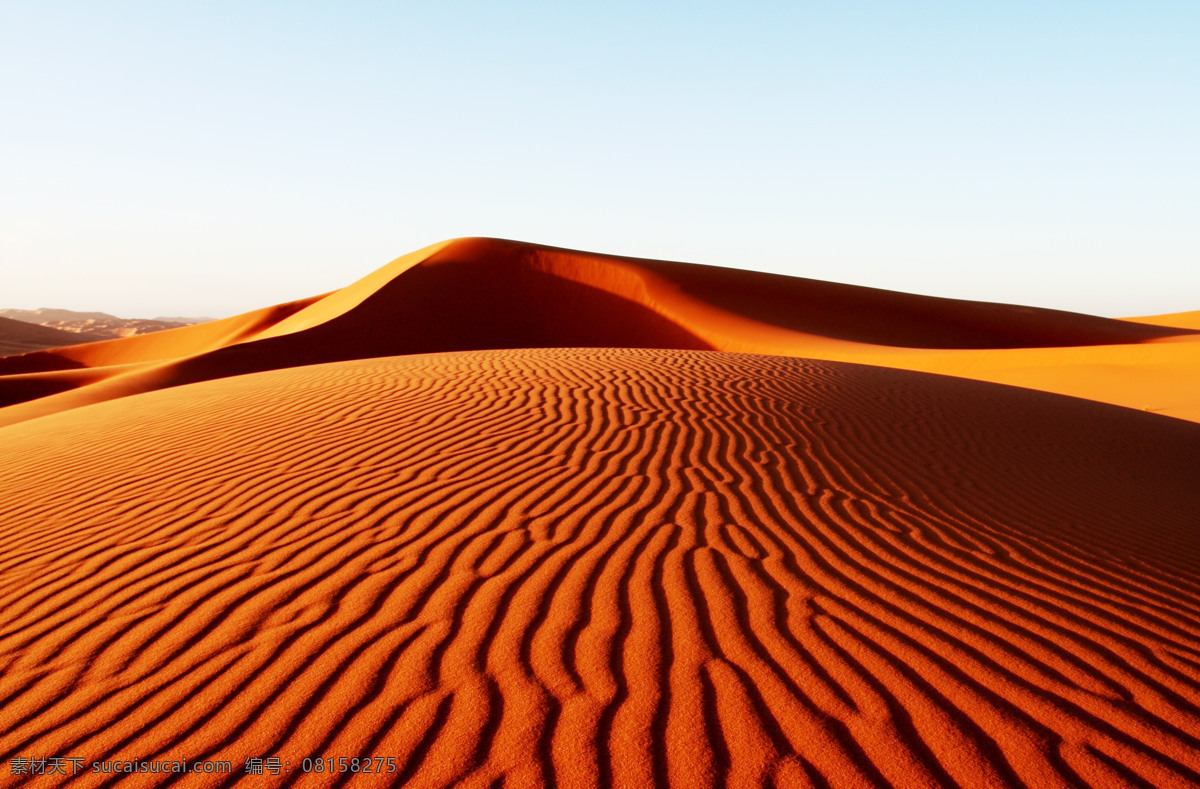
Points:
[593,567]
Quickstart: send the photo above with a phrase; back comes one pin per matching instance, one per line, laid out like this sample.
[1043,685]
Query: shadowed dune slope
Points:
[597,567]
[24,387]
[491,293]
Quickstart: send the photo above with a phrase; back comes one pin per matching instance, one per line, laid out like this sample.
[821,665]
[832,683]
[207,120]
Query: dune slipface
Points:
[599,567]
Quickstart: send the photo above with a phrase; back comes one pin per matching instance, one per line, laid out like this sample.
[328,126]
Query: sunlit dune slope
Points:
[601,567]
[473,294]
[1161,377]
[1179,320]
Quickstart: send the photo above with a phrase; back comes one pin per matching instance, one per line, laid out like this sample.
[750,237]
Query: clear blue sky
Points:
[208,158]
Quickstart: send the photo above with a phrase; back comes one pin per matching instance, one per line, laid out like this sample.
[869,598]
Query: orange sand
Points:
[1181,320]
[547,561]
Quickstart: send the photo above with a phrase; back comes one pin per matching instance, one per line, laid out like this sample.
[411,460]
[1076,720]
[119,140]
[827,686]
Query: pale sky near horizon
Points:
[211,158]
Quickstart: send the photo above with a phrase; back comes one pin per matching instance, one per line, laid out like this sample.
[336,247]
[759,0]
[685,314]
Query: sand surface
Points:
[328,529]
[1182,320]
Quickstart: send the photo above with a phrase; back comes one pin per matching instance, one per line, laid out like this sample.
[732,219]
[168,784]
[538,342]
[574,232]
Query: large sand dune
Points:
[518,516]
[598,567]
[476,294]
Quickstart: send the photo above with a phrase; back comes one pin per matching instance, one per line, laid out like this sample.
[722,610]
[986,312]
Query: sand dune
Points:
[510,515]
[599,567]
[25,387]
[1178,320]
[158,346]
[477,294]
[18,337]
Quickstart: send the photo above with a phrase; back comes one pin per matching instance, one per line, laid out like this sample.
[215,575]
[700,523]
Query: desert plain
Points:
[506,515]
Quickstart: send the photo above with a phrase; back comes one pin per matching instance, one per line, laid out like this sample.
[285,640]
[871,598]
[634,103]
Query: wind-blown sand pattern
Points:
[516,516]
[599,567]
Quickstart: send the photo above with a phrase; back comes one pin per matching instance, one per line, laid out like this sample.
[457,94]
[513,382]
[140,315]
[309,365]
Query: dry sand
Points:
[588,521]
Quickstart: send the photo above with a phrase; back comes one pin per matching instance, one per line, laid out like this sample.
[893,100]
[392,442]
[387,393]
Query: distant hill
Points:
[184,321]
[45,315]
[22,337]
[94,326]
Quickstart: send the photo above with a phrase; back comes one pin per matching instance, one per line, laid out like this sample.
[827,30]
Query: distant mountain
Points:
[93,326]
[45,315]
